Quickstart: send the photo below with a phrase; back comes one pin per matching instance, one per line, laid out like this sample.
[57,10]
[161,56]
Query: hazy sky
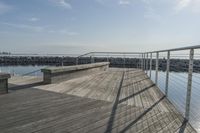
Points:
[78,26]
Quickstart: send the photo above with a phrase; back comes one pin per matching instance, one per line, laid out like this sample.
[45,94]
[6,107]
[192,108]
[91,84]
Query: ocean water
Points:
[22,70]
[176,92]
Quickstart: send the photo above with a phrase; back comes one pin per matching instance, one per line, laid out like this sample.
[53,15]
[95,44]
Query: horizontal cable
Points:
[29,73]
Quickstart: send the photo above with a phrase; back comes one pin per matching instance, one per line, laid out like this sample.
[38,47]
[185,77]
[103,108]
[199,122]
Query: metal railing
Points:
[175,71]
[173,65]
[23,70]
[116,59]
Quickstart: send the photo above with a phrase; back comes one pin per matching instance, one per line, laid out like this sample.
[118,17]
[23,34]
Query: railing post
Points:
[150,65]
[62,62]
[138,62]
[157,61]
[77,60]
[147,64]
[189,85]
[92,58]
[167,73]
[124,60]
[144,62]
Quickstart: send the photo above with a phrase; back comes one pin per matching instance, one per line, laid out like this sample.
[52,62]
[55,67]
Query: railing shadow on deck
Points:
[135,82]
[183,126]
[137,93]
[114,108]
[131,77]
[141,115]
[130,70]
[118,101]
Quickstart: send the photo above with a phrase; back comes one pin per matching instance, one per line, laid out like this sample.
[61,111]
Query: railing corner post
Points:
[157,65]
[144,64]
[167,73]
[150,65]
[92,58]
[189,85]
[147,62]
[77,60]
[124,61]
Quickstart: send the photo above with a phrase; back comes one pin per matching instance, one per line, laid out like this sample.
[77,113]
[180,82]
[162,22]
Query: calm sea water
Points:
[21,70]
[176,94]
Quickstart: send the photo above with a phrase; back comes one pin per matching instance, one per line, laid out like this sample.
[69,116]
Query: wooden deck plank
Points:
[102,102]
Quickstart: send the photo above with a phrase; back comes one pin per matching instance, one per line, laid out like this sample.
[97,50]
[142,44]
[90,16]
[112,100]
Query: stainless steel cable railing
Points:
[175,71]
[116,59]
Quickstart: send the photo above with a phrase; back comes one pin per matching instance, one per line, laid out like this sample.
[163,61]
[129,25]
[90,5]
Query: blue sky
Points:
[79,26]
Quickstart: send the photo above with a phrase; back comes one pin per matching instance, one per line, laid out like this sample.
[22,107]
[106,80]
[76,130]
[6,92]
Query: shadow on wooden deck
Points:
[25,86]
[137,93]
[118,101]
[66,106]
[183,126]
[140,116]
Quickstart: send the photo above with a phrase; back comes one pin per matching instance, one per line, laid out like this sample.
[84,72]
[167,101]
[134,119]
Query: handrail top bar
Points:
[177,49]
[73,68]
[109,53]
[166,50]
[117,52]
[83,54]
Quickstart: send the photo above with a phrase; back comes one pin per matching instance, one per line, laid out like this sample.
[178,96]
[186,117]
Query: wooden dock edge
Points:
[59,74]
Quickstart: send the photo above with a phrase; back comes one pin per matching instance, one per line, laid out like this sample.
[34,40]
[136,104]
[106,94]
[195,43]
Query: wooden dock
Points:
[117,100]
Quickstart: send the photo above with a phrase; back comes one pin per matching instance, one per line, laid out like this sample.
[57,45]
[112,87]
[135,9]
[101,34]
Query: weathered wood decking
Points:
[118,100]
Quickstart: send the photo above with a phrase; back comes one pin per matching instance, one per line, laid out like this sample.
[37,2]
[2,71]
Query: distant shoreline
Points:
[177,65]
